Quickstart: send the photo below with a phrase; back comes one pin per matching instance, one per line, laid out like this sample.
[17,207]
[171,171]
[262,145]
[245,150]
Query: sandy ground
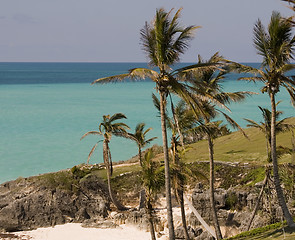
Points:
[74,231]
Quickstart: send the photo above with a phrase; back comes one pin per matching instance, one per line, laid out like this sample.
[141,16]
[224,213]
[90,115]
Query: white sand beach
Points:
[74,231]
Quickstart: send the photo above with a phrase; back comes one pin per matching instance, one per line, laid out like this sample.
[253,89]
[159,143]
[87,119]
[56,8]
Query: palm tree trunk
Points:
[177,123]
[178,185]
[167,168]
[293,146]
[212,198]
[293,159]
[183,218]
[279,191]
[106,158]
[150,219]
[139,155]
[268,143]
[258,200]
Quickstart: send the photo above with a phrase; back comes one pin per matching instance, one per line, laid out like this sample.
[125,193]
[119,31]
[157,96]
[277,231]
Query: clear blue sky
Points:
[108,30]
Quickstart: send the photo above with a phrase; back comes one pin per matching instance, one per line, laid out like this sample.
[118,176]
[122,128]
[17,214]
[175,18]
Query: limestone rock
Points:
[179,232]
[26,204]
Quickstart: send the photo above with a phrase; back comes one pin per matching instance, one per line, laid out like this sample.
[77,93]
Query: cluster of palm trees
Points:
[152,174]
[199,87]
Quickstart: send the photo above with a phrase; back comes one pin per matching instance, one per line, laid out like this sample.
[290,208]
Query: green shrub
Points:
[254,176]
[257,231]
[58,180]
[80,173]
[231,201]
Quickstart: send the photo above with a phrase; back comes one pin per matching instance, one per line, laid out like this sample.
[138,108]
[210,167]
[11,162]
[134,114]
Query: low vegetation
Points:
[274,231]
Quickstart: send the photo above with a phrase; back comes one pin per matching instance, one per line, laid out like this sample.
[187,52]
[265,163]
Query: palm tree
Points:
[265,126]
[139,136]
[180,173]
[182,121]
[208,83]
[164,40]
[276,47]
[153,181]
[108,127]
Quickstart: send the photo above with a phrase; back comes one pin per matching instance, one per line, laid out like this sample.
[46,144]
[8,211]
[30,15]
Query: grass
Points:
[236,148]
[232,148]
[277,231]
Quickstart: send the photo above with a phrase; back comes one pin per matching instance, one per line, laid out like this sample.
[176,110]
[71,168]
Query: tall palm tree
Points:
[208,83]
[139,136]
[164,40]
[265,126]
[108,127]
[181,121]
[153,181]
[276,47]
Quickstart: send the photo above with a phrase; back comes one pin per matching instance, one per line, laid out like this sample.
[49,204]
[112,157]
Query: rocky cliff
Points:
[50,199]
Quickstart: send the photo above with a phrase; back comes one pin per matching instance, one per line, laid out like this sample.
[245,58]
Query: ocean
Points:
[45,108]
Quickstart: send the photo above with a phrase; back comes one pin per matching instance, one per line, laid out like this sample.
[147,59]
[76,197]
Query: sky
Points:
[109,30]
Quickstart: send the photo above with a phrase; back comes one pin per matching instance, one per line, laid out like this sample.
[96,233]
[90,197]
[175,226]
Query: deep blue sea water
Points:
[45,108]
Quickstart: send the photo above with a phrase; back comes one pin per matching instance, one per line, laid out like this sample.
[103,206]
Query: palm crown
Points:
[164,39]
[140,135]
[108,126]
[276,46]
[265,125]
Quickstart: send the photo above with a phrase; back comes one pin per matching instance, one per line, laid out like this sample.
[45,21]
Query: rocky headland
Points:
[79,195]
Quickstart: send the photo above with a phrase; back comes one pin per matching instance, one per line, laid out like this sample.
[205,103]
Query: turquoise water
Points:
[45,109]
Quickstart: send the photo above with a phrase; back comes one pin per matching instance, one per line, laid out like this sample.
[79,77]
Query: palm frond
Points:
[291,92]
[228,97]
[115,78]
[91,152]
[261,40]
[204,98]
[252,123]
[117,116]
[196,67]
[91,133]
[289,86]
[148,141]
[192,101]
[156,103]
[241,68]
[143,73]
[286,68]
[147,130]
[234,124]
[201,129]
[187,34]
[253,79]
